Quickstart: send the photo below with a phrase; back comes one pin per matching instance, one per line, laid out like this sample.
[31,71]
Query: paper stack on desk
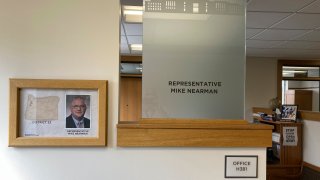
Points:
[276,137]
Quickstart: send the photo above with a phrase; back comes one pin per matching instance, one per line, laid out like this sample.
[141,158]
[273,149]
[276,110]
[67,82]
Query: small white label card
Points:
[241,166]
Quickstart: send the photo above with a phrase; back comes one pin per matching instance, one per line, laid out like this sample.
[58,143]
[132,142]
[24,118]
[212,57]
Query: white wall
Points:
[79,39]
[311,142]
[261,83]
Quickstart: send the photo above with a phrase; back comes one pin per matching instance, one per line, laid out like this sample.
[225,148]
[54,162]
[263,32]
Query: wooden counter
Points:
[193,133]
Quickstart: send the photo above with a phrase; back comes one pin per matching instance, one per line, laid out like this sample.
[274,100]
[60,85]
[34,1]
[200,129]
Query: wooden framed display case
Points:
[43,112]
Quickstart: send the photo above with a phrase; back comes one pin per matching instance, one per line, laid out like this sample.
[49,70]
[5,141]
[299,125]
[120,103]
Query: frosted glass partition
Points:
[193,59]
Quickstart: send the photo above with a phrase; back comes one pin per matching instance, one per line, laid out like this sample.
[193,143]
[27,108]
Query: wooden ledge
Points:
[310,115]
[177,133]
[138,125]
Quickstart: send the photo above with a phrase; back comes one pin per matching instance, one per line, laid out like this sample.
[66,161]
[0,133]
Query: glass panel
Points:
[193,59]
[305,94]
[131,68]
[300,72]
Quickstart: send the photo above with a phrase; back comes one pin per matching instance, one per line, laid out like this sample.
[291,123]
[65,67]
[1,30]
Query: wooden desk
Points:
[284,172]
[289,158]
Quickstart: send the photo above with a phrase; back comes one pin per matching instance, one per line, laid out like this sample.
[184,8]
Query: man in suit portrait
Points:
[78,109]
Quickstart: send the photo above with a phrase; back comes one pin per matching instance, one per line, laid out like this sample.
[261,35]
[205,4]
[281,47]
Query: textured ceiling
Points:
[275,28]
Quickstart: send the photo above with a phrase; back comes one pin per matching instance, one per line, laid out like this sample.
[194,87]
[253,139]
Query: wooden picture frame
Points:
[40,111]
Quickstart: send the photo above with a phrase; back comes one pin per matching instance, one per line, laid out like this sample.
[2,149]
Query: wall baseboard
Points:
[310,172]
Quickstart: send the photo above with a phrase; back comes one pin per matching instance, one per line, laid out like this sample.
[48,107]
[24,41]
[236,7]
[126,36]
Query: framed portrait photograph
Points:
[58,112]
[289,112]
[78,111]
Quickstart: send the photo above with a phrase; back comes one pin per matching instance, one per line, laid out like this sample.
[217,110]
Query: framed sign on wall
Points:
[57,112]
[240,166]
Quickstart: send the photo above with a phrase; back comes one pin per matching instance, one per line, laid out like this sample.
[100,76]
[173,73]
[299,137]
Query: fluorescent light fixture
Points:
[299,68]
[291,73]
[136,47]
[132,14]
[295,71]
[133,8]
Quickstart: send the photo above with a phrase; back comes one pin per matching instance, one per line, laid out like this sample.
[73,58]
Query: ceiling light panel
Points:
[299,68]
[133,18]
[136,47]
[132,14]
